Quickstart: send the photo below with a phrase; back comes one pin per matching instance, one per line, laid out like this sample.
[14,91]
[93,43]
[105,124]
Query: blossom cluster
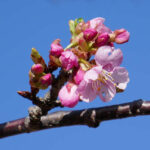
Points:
[91,59]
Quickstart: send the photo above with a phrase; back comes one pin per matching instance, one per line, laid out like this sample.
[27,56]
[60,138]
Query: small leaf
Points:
[72,27]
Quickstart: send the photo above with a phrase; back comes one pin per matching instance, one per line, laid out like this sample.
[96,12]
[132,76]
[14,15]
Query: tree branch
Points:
[90,117]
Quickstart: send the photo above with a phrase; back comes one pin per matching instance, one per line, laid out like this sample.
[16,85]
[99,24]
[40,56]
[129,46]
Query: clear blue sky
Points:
[36,23]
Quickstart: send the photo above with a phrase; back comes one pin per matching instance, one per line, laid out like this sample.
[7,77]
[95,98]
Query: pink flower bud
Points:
[45,81]
[102,39]
[56,48]
[68,95]
[37,69]
[79,76]
[68,60]
[89,34]
[121,36]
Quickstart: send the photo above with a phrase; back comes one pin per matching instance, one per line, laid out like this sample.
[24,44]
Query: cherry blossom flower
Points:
[45,81]
[121,36]
[99,82]
[56,48]
[68,95]
[102,39]
[89,34]
[103,79]
[68,60]
[37,69]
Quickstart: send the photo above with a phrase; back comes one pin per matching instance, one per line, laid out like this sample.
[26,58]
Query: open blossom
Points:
[108,57]
[56,48]
[99,82]
[68,95]
[68,60]
[103,79]
[97,24]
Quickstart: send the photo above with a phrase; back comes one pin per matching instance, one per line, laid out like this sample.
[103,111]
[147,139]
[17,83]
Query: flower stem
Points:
[69,46]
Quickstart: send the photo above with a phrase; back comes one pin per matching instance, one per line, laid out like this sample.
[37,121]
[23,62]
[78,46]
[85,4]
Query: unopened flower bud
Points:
[68,60]
[89,34]
[68,95]
[56,48]
[45,81]
[102,40]
[121,36]
[37,69]
[37,58]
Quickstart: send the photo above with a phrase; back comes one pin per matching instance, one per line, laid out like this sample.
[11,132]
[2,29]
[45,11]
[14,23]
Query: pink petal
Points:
[92,74]
[107,91]
[107,55]
[87,94]
[105,29]
[120,76]
[96,22]
[79,76]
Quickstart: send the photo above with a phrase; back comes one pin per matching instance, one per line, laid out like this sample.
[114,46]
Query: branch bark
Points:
[90,117]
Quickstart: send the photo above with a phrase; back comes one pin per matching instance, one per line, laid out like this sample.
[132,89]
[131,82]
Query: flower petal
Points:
[94,23]
[87,94]
[120,76]
[92,74]
[107,91]
[106,55]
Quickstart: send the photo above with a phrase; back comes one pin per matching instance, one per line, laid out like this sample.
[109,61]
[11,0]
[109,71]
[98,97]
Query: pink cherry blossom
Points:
[56,48]
[97,24]
[99,82]
[108,57]
[37,69]
[79,76]
[89,34]
[102,39]
[121,36]
[68,60]
[45,80]
[68,95]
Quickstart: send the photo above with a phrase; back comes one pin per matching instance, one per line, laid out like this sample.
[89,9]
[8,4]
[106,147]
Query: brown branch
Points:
[91,117]
[49,101]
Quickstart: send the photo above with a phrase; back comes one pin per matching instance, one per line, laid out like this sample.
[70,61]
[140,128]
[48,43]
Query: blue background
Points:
[36,23]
